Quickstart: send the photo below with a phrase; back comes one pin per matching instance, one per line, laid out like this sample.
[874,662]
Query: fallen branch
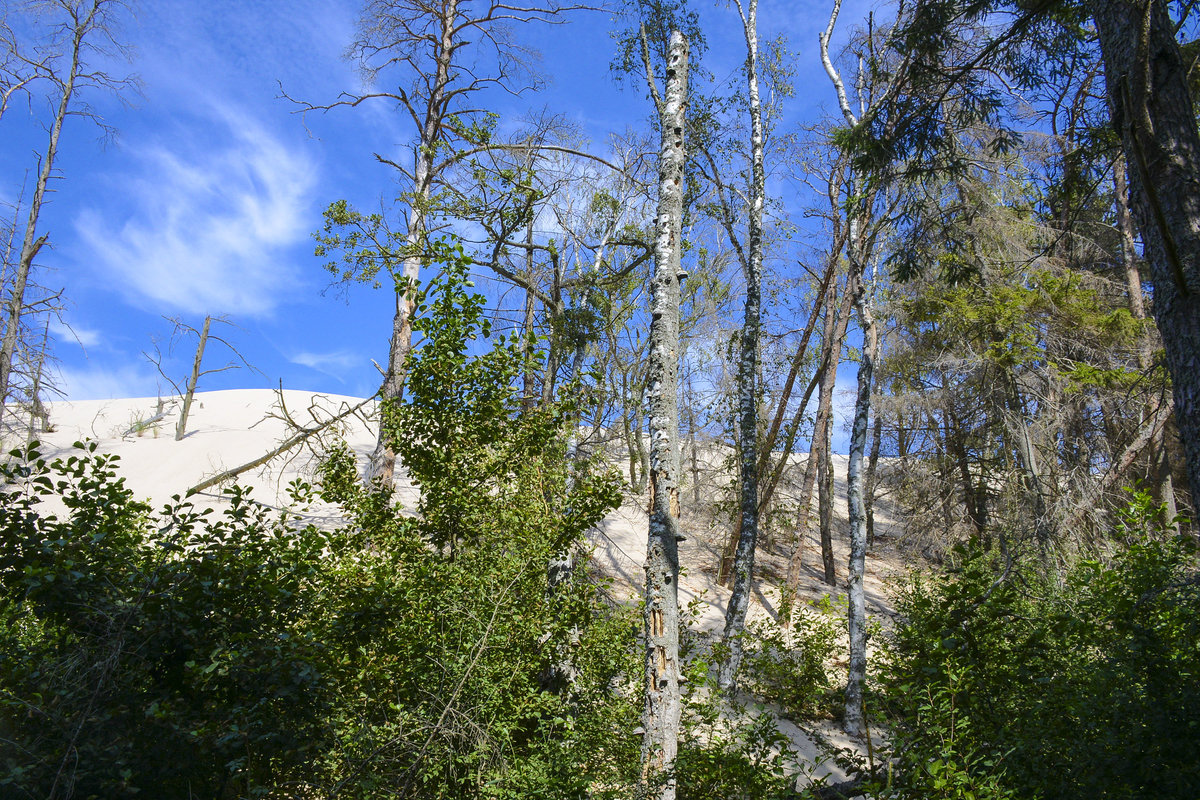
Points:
[301,436]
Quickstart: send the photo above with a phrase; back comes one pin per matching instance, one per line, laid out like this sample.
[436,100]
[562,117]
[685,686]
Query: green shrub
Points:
[1084,688]
[184,653]
[790,666]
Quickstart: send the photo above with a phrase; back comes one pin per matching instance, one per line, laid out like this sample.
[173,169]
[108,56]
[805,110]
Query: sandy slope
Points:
[230,428]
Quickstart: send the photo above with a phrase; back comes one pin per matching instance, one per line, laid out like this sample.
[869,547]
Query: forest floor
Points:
[229,428]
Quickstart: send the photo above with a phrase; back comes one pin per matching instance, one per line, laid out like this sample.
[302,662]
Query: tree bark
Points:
[873,472]
[743,565]
[823,438]
[854,723]
[193,379]
[833,324]
[768,445]
[80,26]
[381,466]
[1151,109]
[660,717]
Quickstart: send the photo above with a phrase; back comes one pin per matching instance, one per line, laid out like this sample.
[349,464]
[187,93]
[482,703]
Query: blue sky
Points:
[206,200]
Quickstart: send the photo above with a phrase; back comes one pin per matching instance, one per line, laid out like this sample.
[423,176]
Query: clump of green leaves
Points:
[1015,683]
[163,654]
[187,653]
[790,666]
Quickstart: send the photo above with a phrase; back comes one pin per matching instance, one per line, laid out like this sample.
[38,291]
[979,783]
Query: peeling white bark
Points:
[660,717]
[743,564]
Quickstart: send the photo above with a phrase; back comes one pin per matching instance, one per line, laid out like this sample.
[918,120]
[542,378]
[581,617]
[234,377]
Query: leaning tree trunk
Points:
[660,717]
[190,392]
[1151,108]
[743,563]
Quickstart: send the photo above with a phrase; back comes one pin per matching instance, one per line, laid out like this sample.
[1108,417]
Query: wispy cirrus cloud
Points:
[65,332]
[209,220]
[335,364]
[105,383]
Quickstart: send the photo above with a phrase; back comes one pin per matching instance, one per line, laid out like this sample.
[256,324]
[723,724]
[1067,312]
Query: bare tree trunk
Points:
[854,723]
[830,347]
[823,437]
[743,565]
[529,379]
[39,416]
[768,446]
[1151,108]
[81,25]
[193,379]
[660,718]
[872,474]
[382,464]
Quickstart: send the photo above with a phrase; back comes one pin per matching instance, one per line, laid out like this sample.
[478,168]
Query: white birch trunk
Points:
[743,564]
[660,718]
[856,499]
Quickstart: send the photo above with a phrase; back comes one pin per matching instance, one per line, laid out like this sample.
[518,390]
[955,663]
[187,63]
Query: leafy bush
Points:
[790,667]
[729,752]
[1086,688]
[170,653]
[185,653]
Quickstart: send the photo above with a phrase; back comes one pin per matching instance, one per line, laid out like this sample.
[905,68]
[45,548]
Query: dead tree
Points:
[81,29]
[187,391]
[432,49]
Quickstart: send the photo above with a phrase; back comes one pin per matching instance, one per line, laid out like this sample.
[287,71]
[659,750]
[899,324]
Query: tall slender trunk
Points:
[382,464]
[193,379]
[743,565]
[855,724]
[529,378]
[660,717]
[873,473]
[823,439]
[830,345]
[32,243]
[769,443]
[1151,108]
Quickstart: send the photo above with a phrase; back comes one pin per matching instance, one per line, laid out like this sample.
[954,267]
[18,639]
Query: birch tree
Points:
[858,249]
[747,371]
[660,719]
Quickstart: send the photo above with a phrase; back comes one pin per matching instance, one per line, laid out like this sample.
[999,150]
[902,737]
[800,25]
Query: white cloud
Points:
[334,364]
[100,383]
[85,337]
[209,227]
